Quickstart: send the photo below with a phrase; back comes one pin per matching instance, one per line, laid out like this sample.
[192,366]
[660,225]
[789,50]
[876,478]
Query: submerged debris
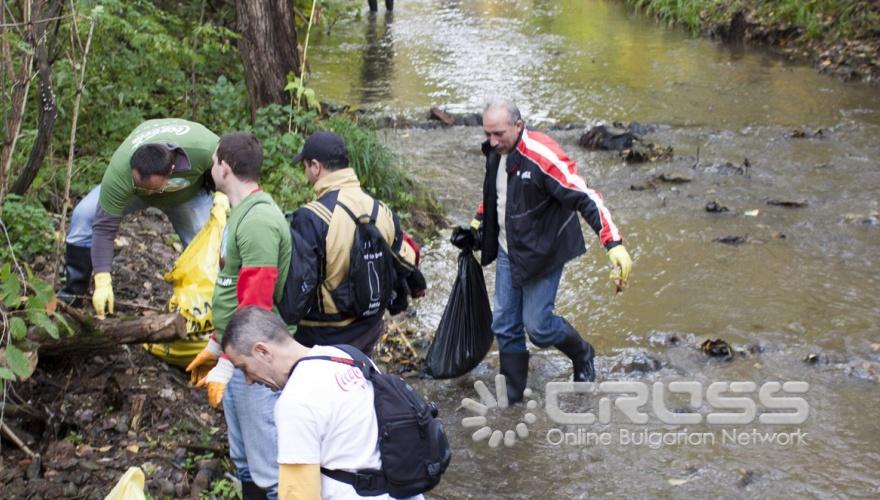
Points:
[798,203]
[732,240]
[714,208]
[626,139]
[397,349]
[717,348]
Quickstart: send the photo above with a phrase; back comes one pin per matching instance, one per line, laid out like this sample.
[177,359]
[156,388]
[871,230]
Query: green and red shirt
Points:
[257,258]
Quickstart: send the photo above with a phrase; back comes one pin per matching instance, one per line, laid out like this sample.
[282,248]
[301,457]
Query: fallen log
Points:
[92,336]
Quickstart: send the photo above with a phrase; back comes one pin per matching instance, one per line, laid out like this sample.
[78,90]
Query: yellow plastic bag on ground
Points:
[193,277]
[129,487]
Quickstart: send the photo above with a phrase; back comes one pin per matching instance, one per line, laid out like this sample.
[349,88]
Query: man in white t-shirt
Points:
[325,415]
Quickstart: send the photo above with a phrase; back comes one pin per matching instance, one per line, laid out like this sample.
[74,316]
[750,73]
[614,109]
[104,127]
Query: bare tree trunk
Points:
[268,49]
[47,110]
[20,88]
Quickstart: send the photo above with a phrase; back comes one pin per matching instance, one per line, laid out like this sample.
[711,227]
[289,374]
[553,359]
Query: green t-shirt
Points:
[256,235]
[199,143]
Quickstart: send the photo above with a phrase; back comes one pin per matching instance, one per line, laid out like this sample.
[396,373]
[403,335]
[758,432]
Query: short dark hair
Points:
[243,152]
[152,159]
[253,324]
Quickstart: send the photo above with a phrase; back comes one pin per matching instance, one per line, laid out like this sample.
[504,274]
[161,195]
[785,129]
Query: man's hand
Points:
[204,361]
[464,237]
[216,381]
[102,299]
[622,262]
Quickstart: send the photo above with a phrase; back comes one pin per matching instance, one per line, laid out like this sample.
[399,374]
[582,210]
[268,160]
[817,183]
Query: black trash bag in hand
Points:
[464,334]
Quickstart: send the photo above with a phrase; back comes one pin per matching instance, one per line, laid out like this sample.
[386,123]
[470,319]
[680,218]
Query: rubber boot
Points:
[250,491]
[581,354]
[78,268]
[515,368]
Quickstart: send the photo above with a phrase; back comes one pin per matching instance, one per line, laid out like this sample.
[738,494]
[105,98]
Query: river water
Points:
[805,282]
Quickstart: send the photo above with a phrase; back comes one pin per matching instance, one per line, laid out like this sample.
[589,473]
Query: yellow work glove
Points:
[622,263]
[102,299]
[204,360]
[216,381]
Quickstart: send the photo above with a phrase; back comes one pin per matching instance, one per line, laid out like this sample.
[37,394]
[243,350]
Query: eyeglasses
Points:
[172,185]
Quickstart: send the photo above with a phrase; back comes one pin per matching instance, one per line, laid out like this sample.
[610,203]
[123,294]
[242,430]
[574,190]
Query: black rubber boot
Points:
[250,491]
[515,368]
[581,354]
[78,268]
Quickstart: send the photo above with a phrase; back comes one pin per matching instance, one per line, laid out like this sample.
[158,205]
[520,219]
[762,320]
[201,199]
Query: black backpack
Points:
[412,443]
[371,274]
[301,287]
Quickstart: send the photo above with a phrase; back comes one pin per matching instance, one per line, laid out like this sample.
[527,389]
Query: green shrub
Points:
[29,227]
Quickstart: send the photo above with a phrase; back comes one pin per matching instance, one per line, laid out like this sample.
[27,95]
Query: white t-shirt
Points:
[501,189]
[325,416]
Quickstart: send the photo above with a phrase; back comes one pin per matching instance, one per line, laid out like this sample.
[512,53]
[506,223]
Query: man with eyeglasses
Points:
[164,163]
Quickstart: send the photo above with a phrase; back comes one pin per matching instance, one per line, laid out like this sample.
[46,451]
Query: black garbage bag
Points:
[464,334]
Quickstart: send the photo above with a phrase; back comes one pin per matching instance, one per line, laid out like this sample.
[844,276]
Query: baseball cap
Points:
[326,147]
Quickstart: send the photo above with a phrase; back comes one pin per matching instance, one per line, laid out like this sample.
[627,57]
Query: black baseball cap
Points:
[326,147]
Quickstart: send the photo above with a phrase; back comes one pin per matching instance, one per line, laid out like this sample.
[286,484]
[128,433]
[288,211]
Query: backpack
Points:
[371,274]
[301,288]
[412,443]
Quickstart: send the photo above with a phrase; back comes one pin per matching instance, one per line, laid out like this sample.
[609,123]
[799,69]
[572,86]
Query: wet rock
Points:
[642,152]
[121,426]
[607,138]
[673,178]
[726,168]
[644,186]
[443,116]
[717,348]
[862,219]
[798,203]
[864,370]
[664,338]
[639,362]
[181,489]
[468,120]
[732,240]
[747,477]
[714,208]
[802,134]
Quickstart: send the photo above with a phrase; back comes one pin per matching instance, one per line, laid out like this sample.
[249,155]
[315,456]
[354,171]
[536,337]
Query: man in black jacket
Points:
[528,221]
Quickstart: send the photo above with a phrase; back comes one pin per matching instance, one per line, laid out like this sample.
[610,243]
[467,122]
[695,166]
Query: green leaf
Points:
[6,374]
[17,328]
[39,318]
[60,319]
[17,362]
[10,292]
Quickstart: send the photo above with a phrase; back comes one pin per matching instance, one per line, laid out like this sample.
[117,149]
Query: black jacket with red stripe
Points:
[544,196]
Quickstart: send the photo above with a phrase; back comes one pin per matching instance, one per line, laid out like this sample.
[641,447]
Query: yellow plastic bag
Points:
[193,277]
[129,487]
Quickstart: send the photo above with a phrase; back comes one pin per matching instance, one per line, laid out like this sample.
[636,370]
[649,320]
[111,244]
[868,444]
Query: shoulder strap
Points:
[359,360]
[241,219]
[355,218]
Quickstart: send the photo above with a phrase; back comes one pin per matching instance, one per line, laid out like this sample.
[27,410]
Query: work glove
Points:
[622,263]
[204,361]
[102,299]
[216,381]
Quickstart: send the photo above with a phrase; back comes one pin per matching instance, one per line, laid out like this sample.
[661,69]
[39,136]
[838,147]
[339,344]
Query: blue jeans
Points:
[253,439]
[186,218]
[525,309]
